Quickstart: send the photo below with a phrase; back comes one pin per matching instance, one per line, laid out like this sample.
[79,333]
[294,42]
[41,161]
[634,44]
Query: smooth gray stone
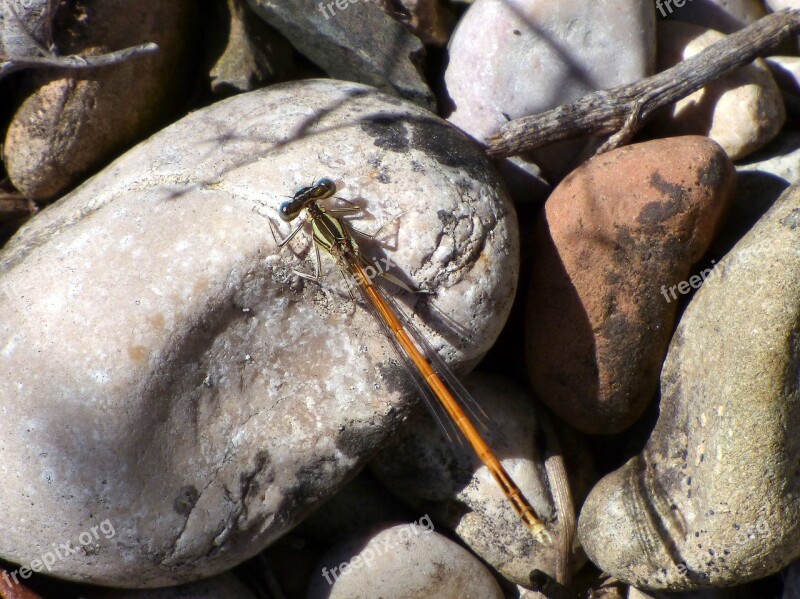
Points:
[515,58]
[359,42]
[402,562]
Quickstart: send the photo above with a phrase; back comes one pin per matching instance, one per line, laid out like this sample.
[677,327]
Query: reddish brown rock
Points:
[612,234]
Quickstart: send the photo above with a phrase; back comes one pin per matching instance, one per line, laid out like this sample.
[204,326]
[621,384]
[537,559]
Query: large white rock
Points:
[166,372]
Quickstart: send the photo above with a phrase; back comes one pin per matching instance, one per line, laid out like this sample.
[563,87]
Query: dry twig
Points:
[562,497]
[10,64]
[622,110]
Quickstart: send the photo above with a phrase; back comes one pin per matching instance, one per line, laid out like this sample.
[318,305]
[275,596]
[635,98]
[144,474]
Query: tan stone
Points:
[76,121]
[742,111]
[714,497]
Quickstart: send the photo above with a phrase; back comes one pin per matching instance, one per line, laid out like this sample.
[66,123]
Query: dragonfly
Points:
[336,238]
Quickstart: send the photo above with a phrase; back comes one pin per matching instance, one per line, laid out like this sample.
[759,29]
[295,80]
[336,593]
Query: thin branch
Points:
[622,110]
[10,64]
[562,497]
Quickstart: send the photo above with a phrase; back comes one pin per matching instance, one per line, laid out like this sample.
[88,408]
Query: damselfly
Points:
[336,238]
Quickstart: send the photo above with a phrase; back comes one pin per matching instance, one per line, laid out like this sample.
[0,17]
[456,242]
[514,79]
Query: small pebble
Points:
[406,561]
[742,111]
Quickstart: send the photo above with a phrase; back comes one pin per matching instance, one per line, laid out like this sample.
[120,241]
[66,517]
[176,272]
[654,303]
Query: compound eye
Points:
[328,187]
[286,212]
